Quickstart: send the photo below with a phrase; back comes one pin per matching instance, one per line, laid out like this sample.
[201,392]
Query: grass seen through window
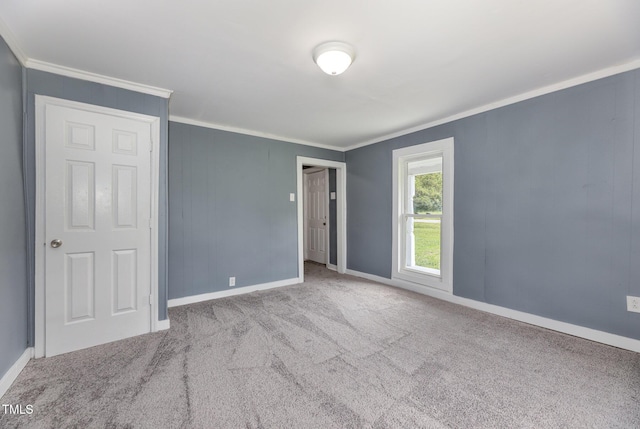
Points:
[427,244]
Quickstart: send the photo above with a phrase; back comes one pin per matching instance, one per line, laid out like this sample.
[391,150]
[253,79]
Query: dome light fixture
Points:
[333,57]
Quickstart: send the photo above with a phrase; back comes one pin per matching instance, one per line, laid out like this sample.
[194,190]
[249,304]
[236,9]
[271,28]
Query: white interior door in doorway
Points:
[97,227]
[316,216]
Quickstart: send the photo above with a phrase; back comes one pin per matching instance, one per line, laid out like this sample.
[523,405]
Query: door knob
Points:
[56,243]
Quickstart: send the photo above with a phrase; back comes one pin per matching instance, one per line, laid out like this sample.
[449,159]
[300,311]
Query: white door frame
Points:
[327,230]
[41,104]
[341,205]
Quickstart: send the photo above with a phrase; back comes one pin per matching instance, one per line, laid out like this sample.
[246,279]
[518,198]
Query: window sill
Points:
[423,279]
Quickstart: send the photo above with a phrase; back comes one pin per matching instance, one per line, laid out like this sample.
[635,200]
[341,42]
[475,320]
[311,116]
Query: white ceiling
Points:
[247,64]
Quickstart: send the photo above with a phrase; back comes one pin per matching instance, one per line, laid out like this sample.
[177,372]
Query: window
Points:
[423,214]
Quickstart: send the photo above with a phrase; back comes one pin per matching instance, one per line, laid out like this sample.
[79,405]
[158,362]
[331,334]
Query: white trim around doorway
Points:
[341,206]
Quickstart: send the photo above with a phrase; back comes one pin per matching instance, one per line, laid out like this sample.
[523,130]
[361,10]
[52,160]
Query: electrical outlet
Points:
[232,281]
[633,304]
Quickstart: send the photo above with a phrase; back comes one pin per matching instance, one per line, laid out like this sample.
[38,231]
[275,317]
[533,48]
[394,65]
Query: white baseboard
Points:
[332,267]
[231,292]
[544,322]
[11,375]
[163,325]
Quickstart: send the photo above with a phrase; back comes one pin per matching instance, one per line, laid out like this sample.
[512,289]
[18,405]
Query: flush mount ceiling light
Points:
[333,57]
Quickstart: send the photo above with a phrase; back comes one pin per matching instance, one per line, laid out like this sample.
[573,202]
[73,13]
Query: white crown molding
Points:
[12,42]
[98,78]
[589,77]
[532,319]
[30,63]
[27,62]
[247,132]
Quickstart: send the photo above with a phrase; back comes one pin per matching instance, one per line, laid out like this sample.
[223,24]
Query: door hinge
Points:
[150,299]
[150,223]
[151,146]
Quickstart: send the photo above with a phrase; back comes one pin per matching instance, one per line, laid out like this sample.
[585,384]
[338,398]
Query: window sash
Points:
[422,216]
[409,254]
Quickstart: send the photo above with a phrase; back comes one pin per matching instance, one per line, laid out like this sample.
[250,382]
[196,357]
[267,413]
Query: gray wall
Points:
[13,257]
[547,204]
[53,85]
[229,211]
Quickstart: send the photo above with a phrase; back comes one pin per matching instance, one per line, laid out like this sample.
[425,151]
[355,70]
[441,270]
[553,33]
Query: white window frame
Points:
[401,158]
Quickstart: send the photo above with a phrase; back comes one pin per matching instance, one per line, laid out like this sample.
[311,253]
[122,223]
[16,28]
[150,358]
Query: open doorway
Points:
[321,213]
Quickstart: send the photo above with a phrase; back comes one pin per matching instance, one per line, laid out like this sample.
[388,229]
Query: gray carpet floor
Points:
[334,352]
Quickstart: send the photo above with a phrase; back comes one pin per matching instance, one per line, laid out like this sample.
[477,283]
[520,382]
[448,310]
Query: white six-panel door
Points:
[316,214]
[98,207]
